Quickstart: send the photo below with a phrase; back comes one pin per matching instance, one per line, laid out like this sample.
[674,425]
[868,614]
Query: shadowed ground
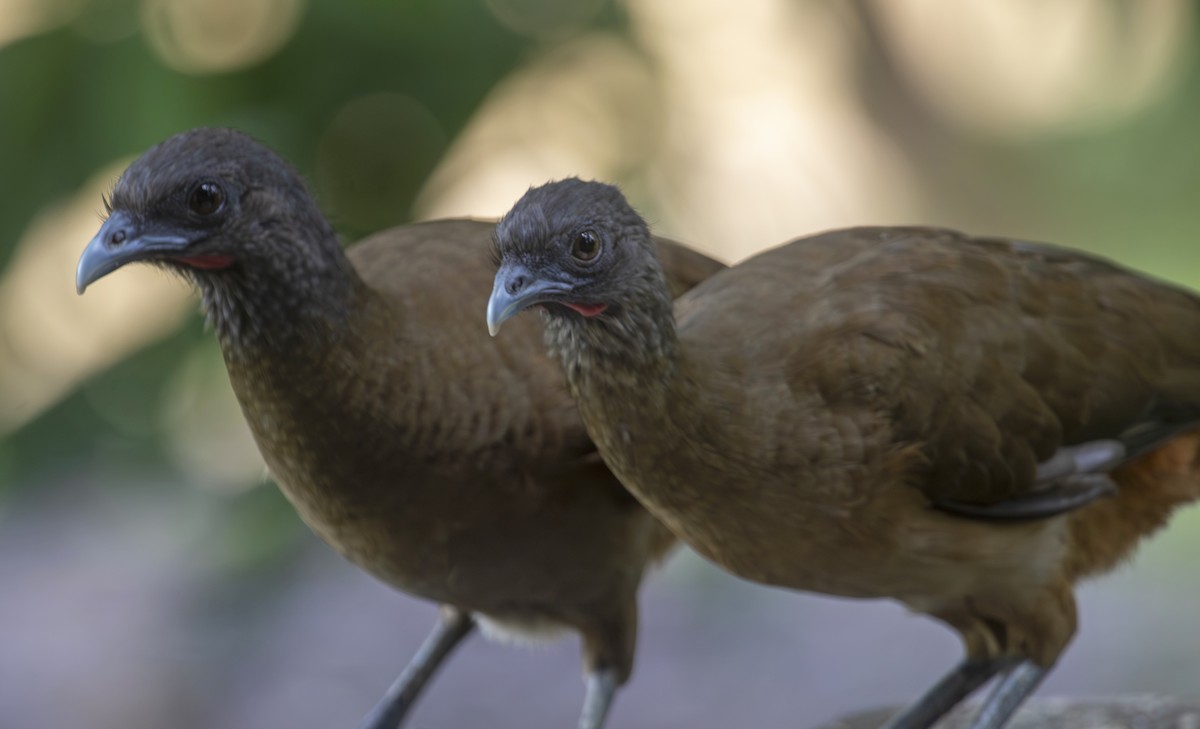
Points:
[130,611]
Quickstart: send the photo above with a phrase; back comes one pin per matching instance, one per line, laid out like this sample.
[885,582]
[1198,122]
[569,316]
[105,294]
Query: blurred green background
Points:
[150,576]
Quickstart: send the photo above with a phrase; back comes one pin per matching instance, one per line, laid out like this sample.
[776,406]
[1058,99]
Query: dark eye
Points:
[206,198]
[585,246]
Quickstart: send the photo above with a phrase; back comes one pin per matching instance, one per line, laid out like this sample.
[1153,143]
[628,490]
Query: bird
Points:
[967,425]
[448,465]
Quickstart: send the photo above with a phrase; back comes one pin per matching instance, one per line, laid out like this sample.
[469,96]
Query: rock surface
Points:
[1132,712]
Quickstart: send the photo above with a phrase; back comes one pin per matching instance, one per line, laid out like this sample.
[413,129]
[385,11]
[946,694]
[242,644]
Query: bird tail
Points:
[1149,488]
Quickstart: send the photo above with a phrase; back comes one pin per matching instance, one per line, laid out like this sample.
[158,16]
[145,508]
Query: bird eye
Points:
[585,246]
[206,198]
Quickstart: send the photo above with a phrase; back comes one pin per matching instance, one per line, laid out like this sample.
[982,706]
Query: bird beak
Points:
[119,242]
[517,289]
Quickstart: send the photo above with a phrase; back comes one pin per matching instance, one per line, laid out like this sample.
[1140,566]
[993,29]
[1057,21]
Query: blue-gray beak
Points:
[119,242]
[517,289]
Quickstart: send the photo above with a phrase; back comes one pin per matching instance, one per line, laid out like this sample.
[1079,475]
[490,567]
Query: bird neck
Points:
[630,376]
[633,341]
[272,304]
[625,367]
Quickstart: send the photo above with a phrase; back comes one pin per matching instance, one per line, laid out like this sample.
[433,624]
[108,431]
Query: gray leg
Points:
[601,688]
[1008,695]
[452,626]
[947,693]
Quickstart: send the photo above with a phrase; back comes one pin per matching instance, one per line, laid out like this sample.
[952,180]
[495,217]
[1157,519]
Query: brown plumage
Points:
[908,413]
[450,465]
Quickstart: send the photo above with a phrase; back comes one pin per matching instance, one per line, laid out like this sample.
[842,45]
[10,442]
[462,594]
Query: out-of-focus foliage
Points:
[370,92]
[153,570]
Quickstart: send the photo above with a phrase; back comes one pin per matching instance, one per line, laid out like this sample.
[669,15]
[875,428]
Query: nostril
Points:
[117,237]
[516,284]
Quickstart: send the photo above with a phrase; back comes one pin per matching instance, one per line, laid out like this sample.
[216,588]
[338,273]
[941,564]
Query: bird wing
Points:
[501,398]
[988,355]
[684,267]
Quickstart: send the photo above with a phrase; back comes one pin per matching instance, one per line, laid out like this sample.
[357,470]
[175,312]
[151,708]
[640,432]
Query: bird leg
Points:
[1008,695]
[951,689]
[452,626]
[601,688]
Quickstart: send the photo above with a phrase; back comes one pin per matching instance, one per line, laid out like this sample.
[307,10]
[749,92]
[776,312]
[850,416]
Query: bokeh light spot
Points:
[51,338]
[374,156]
[206,433]
[22,18]
[588,108]
[1028,67]
[544,18]
[214,36]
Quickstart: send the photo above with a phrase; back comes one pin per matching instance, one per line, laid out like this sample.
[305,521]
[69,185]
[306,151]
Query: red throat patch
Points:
[206,263]
[588,310]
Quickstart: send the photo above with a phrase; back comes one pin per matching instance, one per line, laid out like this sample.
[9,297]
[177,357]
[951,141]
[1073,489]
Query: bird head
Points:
[573,247]
[204,203]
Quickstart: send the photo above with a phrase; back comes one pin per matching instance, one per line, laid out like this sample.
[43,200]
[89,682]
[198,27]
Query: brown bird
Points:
[444,463]
[908,413]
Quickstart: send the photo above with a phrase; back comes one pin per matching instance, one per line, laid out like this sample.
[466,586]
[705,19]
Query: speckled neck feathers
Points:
[275,300]
[630,342]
